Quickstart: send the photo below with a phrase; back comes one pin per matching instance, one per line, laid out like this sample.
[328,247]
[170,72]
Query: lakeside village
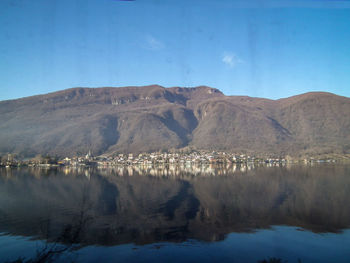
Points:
[155,158]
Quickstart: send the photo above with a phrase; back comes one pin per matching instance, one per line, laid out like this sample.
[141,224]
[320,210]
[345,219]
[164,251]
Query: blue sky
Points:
[269,49]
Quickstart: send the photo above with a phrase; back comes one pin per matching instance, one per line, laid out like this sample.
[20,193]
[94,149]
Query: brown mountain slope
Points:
[227,124]
[151,118]
[317,120]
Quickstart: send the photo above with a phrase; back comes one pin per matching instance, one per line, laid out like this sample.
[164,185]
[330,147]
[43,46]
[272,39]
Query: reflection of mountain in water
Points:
[145,209]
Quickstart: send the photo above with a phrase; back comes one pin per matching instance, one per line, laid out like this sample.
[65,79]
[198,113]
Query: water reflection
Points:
[173,170]
[152,204]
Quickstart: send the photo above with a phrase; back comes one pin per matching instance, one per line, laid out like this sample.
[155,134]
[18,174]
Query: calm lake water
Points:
[173,214]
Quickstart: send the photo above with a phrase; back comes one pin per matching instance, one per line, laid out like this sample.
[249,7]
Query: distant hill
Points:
[151,118]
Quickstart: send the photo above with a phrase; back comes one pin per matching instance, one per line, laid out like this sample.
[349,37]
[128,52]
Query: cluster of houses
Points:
[195,157]
[192,158]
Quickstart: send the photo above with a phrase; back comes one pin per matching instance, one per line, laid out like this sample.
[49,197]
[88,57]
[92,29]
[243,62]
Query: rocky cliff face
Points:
[151,118]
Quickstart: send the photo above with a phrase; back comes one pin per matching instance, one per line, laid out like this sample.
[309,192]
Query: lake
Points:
[293,213]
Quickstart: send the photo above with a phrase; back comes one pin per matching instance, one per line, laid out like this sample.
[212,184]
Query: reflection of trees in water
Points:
[315,199]
[64,244]
[147,209]
[50,251]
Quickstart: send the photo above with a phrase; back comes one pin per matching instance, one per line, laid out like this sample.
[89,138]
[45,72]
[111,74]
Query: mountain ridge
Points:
[138,119]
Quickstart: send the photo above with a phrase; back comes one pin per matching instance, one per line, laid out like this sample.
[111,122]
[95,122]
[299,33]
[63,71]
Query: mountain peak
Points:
[150,118]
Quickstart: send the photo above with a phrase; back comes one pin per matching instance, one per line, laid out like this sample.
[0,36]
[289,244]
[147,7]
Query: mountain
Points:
[151,118]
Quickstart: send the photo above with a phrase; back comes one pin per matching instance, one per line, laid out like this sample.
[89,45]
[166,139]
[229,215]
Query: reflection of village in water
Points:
[147,204]
[167,170]
[179,170]
[159,170]
[229,193]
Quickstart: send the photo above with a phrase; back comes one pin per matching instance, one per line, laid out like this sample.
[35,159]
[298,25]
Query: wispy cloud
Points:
[231,59]
[153,43]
